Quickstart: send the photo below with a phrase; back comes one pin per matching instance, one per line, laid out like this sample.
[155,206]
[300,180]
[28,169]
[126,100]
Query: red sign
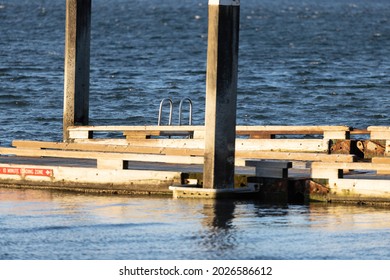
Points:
[10,171]
[26,171]
[38,172]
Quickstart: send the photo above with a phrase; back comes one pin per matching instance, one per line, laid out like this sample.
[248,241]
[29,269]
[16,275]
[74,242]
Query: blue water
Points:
[50,225]
[300,62]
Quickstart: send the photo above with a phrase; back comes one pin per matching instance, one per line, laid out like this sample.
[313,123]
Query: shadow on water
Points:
[226,222]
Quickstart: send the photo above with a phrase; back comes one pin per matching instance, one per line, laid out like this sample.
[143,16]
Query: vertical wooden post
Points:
[77,60]
[221,94]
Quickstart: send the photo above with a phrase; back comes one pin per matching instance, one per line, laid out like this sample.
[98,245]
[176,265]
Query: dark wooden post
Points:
[77,61]
[221,94]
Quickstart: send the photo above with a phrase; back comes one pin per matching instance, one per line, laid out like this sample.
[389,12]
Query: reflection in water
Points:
[348,217]
[219,233]
[37,224]
[219,214]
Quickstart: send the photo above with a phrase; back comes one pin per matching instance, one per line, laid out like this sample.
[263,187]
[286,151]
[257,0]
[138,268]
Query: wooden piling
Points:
[221,94]
[77,63]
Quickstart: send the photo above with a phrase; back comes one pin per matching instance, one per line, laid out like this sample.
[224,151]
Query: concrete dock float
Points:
[137,177]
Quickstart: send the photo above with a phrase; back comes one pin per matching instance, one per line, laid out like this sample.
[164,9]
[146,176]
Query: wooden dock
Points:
[288,163]
[219,159]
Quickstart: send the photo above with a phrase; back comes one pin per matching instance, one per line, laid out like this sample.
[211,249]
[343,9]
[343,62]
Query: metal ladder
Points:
[170,110]
[188,100]
[181,111]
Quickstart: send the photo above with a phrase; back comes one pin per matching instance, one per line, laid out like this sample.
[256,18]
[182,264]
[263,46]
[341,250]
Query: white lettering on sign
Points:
[26,171]
[38,172]
[10,170]
[225,2]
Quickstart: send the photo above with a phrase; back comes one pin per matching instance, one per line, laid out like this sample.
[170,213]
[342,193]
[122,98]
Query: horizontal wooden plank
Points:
[275,145]
[102,146]
[278,173]
[301,128]
[269,163]
[385,160]
[254,131]
[380,135]
[351,166]
[258,132]
[139,134]
[381,160]
[355,131]
[93,146]
[292,128]
[296,156]
[294,145]
[136,128]
[378,128]
[360,188]
[102,155]
[379,132]
[270,168]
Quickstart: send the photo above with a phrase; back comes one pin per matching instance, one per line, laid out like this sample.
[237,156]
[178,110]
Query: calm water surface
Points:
[300,62]
[38,224]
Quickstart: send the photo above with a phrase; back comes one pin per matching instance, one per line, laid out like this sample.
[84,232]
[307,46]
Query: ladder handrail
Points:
[170,111]
[190,112]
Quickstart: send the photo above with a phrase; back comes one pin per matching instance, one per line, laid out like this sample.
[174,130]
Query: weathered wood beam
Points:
[298,156]
[77,64]
[221,93]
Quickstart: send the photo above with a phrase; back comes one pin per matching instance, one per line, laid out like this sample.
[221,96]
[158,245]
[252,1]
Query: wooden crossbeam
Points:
[263,132]
[293,145]
[336,170]
[379,132]
[383,160]
[303,128]
[270,168]
[91,147]
[277,145]
[352,165]
[105,157]
[269,163]
[295,156]
[99,147]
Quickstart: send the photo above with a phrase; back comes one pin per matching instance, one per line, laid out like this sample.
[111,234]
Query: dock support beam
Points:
[221,94]
[77,63]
